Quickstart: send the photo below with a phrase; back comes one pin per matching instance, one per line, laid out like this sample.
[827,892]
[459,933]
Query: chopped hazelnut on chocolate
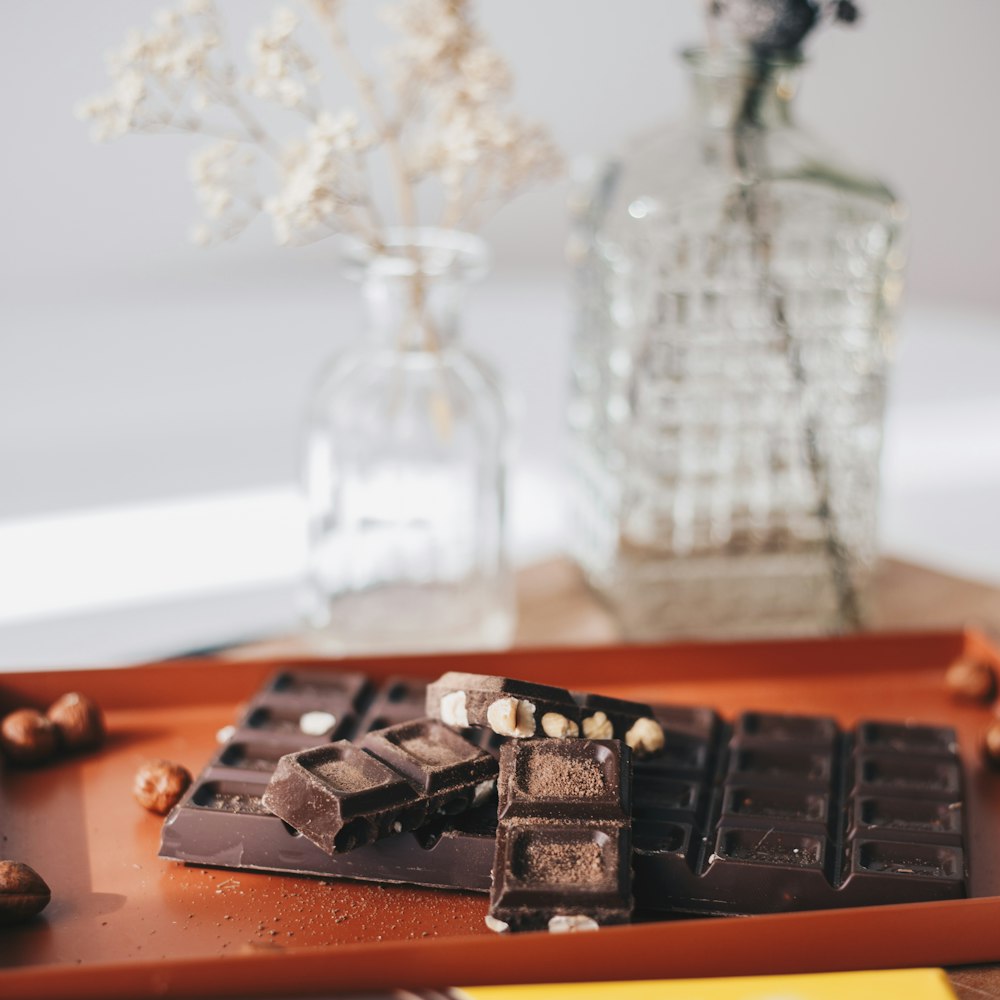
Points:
[598,727]
[453,710]
[558,726]
[512,717]
[645,737]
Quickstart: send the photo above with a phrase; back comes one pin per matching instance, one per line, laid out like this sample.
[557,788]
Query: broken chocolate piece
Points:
[343,796]
[520,709]
[508,707]
[563,848]
[615,718]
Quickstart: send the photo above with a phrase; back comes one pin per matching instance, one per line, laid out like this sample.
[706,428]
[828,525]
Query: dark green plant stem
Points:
[750,160]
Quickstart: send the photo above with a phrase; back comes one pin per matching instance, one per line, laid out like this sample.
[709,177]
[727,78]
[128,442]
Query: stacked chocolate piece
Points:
[394,783]
[563,856]
[222,821]
[563,853]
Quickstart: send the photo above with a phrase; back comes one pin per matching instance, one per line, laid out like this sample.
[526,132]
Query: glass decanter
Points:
[735,285]
[406,453]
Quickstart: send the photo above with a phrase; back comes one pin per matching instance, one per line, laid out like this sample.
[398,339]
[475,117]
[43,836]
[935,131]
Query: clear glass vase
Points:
[406,453]
[735,284]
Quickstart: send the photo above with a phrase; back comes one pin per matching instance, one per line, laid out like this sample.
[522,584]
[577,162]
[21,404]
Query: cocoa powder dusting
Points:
[578,862]
[430,751]
[552,776]
[343,776]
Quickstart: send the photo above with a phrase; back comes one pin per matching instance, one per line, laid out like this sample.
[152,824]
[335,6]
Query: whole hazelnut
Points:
[78,721]
[972,680]
[991,744]
[23,892]
[27,737]
[159,785]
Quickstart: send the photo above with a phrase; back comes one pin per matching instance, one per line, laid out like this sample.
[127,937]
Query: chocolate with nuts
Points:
[563,848]
[222,821]
[508,707]
[521,710]
[343,796]
[808,815]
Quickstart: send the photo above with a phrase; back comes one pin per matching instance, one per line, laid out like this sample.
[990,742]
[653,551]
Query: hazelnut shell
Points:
[159,785]
[991,744]
[23,892]
[78,721]
[972,680]
[28,737]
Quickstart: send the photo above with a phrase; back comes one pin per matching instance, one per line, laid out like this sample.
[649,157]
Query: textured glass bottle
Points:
[405,465]
[734,293]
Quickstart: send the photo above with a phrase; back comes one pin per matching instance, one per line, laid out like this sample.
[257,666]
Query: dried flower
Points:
[771,26]
[450,122]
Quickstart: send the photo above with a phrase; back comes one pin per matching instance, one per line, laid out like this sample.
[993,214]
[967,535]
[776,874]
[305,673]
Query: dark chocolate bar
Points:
[521,709]
[508,707]
[604,718]
[781,812]
[343,796]
[222,821]
[563,848]
[880,805]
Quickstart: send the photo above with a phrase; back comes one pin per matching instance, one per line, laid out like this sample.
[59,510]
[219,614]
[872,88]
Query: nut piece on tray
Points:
[342,796]
[520,709]
[563,849]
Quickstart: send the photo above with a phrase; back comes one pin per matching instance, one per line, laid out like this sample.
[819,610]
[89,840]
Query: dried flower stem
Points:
[751,166]
[388,132]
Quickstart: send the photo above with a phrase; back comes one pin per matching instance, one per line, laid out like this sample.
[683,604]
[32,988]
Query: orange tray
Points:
[124,923]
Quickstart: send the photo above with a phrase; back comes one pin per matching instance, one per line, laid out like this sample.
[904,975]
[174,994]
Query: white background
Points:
[150,391]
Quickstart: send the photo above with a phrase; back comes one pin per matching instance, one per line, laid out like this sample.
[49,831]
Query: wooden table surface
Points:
[556,609]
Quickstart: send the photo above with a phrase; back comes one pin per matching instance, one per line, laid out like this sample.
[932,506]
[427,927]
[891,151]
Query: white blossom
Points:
[318,179]
[449,121]
[223,179]
[281,69]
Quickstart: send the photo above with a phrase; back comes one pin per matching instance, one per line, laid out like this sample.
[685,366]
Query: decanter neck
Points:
[734,88]
[414,284]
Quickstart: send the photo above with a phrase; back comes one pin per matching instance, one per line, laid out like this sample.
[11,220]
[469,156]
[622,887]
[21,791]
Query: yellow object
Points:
[904,984]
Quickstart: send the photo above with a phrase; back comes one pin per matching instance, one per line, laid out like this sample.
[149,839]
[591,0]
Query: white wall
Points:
[134,365]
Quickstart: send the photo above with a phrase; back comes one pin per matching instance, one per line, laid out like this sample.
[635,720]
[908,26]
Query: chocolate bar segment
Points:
[782,812]
[509,707]
[607,718]
[521,710]
[563,845]
[343,796]
[223,822]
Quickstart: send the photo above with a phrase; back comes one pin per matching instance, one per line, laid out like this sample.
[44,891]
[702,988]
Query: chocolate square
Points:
[564,778]
[430,754]
[544,870]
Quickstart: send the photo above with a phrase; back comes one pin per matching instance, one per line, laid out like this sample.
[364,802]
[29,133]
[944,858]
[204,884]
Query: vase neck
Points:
[415,313]
[735,88]
[414,283]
